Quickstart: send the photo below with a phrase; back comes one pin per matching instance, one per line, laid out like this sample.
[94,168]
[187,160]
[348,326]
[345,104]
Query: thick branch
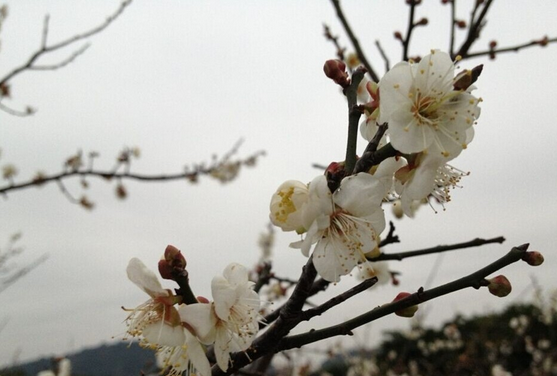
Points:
[475,280]
[440,248]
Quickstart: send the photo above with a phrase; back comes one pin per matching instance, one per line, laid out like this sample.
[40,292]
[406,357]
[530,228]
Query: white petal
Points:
[197,355]
[164,335]
[201,318]
[360,194]
[319,201]
[145,279]
[222,349]
[224,296]
[236,274]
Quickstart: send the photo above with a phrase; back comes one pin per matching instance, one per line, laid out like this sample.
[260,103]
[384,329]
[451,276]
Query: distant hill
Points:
[107,360]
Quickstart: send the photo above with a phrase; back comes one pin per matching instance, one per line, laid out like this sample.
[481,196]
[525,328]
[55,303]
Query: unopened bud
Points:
[336,71]
[422,22]
[499,286]
[175,257]
[461,24]
[398,35]
[544,41]
[408,311]
[172,261]
[533,258]
[464,79]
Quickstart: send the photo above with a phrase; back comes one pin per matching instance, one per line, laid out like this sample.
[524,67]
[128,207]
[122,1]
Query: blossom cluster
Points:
[180,333]
[429,114]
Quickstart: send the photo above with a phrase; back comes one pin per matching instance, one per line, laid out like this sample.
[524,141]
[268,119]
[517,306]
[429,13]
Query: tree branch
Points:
[440,248]
[475,280]
[354,40]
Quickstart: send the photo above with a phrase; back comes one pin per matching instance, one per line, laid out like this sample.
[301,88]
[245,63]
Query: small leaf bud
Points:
[533,258]
[422,22]
[398,35]
[499,286]
[461,24]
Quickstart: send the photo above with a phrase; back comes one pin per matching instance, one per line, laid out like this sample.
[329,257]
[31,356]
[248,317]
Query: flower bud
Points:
[336,71]
[398,35]
[286,205]
[499,286]
[533,258]
[408,311]
[172,260]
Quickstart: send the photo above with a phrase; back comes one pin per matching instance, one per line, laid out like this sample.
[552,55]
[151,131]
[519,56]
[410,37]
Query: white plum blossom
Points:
[286,206]
[158,324]
[422,108]
[231,321]
[156,320]
[425,175]
[346,225]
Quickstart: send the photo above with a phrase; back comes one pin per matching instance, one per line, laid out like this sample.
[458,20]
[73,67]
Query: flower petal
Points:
[145,279]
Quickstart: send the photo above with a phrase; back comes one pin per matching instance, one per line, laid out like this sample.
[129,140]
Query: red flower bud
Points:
[499,286]
[408,311]
[533,258]
[336,71]
[175,257]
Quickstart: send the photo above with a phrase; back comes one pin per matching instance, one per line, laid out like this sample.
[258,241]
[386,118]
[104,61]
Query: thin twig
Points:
[476,25]
[383,55]
[453,26]
[363,286]
[542,43]
[354,41]
[411,26]
[440,248]
[44,49]
[126,175]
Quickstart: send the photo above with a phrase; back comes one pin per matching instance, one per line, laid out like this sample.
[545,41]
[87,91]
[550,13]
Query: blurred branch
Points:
[440,248]
[354,40]
[474,28]
[223,169]
[44,49]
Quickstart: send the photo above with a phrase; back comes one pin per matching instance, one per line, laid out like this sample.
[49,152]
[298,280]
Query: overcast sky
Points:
[184,80]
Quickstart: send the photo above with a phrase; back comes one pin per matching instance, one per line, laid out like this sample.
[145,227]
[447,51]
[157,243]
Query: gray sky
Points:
[184,80]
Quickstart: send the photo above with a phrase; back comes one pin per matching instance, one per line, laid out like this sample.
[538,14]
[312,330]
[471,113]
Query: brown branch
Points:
[540,42]
[383,55]
[371,155]
[474,29]
[354,41]
[363,286]
[411,26]
[391,237]
[474,280]
[126,175]
[453,26]
[45,49]
[440,248]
